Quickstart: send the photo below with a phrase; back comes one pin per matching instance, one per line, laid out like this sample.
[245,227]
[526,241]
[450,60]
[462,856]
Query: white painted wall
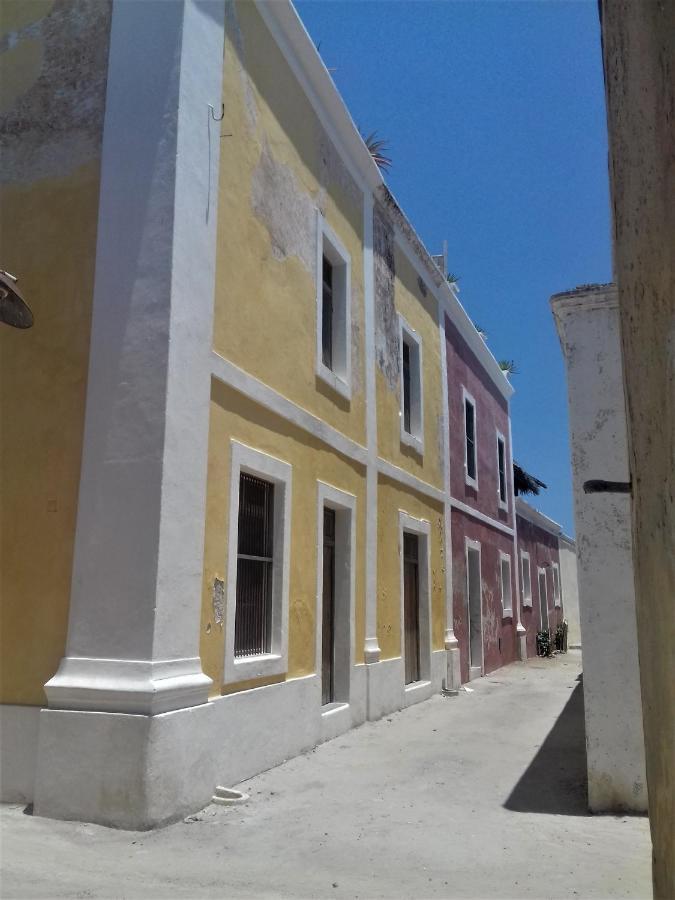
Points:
[567,550]
[588,326]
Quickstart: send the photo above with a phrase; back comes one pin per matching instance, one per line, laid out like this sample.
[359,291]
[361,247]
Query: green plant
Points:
[508,366]
[452,279]
[377,147]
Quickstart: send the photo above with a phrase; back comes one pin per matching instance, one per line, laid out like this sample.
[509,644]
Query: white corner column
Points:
[521,633]
[125,740]
[453,680]
[588,325]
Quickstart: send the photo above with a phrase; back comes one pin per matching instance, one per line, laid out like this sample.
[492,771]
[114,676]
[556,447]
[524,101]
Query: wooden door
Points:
[411,607]
[328,604]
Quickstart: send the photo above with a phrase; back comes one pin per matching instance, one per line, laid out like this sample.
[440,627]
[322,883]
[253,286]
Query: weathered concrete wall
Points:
[588,325]
[543,549]
[500,643]
[639,59]
[567,550]
[53,65]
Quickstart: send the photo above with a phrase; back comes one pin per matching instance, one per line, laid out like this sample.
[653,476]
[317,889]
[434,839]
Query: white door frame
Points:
[421,528]
[542,571]
[474,545]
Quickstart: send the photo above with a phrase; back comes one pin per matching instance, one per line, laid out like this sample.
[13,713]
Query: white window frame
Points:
[344,505]
[422,528]
[466,396]
[541,570]
[503,504]
[557,592]
[414,438]
[507,611]
[339,378]
[269,468]
[525,557]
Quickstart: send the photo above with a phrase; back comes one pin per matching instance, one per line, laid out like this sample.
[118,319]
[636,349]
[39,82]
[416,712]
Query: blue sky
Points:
[494,117]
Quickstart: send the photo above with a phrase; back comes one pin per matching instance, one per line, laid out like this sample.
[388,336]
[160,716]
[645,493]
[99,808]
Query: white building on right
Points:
[587,319]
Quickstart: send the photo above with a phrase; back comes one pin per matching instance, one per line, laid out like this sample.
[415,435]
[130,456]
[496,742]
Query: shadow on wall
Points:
[556,782]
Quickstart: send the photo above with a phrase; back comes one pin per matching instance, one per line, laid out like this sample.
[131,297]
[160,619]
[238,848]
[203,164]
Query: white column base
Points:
[371,652]
[522,643]
[126,771]
[140,687]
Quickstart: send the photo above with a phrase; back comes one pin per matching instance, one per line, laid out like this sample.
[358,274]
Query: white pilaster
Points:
[372,648]
[521,633]
[133,636]
[454,675]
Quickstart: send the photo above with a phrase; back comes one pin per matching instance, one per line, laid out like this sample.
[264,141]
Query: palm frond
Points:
[508,366]
[377,147]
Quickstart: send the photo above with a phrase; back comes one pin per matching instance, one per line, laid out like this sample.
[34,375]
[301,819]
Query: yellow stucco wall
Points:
[421,313]
[277,167]
[234,416]
[392,498]
[48,218]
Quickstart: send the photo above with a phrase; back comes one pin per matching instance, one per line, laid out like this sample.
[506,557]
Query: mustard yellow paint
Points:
[234,416]
[421,314]
[393,498]
[16,14]
[19,68]
[49,241]
[265,305]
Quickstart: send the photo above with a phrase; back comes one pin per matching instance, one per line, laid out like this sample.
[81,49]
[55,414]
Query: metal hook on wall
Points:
[222,113]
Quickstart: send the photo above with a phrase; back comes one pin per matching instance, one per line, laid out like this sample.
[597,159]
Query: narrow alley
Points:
[481,795]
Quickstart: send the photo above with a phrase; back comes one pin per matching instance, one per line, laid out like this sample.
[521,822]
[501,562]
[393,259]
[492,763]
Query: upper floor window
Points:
[470,448]
[333,304]
[556,585]
[526,579]
[501,471]
[412,412]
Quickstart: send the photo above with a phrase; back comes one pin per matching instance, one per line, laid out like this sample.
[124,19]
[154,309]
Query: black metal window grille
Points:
[411,611]
[328,610]
[327,314]
[406,388]
[502,470]
[470,420]
[255,548]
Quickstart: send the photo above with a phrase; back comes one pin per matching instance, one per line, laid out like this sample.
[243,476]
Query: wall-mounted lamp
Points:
[14,310]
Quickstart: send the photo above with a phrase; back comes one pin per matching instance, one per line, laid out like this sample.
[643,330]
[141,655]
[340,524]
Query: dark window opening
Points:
[470,420]
[328,618]
[407,418]
[255,548]
[502,470]
[327,314]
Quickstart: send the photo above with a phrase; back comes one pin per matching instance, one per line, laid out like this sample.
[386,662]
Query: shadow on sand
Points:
[555,782]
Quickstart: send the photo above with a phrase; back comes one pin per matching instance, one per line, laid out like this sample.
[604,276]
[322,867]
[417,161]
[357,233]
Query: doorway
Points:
[475,609]
[411,607]
[543,599]
[328,609]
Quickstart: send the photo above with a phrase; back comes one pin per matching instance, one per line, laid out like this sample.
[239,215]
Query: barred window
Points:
[501,468]
[255,567]
[470,435]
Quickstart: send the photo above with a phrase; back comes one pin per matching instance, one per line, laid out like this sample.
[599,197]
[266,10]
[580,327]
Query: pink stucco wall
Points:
[543,549]
[499,633]
[492,414]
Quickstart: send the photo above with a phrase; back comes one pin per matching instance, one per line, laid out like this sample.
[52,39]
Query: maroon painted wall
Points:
[492,413]
[499,633]
[543,549]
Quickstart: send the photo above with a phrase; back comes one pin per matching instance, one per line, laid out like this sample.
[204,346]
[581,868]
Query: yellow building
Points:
[225,514]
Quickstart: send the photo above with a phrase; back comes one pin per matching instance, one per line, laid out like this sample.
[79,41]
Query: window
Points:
[470,453]
[255,563]
[501,471]
[333,304]
[527,578]
[412,414]
[556,585]
[505,571]
[256,618]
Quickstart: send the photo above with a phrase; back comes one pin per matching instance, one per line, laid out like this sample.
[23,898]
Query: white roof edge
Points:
[283,19]
[533,515]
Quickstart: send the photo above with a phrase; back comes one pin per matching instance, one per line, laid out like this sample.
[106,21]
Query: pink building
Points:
[485,586]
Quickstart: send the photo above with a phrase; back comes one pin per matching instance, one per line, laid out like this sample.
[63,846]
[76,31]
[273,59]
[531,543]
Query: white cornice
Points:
[302,56]
[525,511]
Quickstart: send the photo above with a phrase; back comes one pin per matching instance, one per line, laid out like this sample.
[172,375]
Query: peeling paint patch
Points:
[219,601]
[386,320]
[334,171]
[397,218]
[49,133]
[234,32]
[287,212]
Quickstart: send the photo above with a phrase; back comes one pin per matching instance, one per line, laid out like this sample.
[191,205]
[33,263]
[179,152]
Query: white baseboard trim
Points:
[19,727]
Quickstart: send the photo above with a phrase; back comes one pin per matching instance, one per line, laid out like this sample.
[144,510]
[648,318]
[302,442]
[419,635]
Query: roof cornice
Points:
[287,28]
[525,511]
